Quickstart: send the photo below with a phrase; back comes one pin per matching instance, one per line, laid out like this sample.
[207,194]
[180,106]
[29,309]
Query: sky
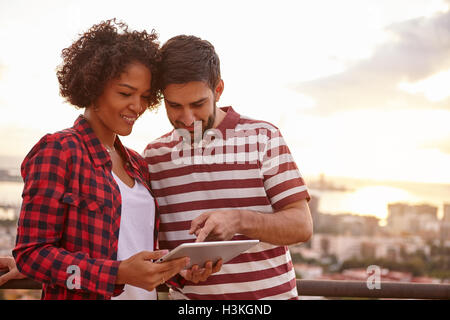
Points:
[358,88]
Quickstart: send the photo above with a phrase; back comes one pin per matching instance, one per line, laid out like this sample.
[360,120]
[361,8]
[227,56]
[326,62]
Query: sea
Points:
[338,195]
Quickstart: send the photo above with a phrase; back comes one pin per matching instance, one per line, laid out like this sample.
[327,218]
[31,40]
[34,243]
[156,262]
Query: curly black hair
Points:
[101,54]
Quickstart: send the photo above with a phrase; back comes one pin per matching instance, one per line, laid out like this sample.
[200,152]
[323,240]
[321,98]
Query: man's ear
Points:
[219,89]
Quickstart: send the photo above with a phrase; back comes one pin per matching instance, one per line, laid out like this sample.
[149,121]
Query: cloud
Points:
[417,49]
[442,145]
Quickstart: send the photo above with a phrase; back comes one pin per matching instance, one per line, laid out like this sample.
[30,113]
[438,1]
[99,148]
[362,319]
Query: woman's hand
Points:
[13,273]
[140,270]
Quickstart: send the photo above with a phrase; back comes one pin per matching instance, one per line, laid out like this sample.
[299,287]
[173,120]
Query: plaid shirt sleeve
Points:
[176,281]
[38,253]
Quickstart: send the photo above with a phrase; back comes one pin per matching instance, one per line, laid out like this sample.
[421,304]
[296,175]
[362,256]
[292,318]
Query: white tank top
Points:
[137,223]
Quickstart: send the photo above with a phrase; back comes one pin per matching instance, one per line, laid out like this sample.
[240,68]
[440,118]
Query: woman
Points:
[88,222]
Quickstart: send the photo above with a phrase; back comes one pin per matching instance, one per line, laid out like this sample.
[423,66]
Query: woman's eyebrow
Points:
[127,86]
[130,87]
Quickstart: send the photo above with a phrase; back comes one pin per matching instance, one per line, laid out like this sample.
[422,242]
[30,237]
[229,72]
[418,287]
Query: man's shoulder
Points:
[248,123]
[165,140]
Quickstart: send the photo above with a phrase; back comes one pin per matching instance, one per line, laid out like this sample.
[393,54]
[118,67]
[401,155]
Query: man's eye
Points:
[198,105]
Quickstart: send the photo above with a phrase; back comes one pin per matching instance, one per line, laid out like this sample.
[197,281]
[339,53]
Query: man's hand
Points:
[196,274]
[216,225]
[289,225]
[13,273]
[140,271]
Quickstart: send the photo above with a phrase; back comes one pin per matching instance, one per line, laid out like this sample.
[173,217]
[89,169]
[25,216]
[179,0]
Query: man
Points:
[222,176]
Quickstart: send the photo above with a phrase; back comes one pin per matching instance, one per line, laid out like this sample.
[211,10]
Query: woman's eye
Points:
[125,94]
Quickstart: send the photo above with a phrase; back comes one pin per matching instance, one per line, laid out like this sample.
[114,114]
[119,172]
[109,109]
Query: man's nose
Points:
[187,118]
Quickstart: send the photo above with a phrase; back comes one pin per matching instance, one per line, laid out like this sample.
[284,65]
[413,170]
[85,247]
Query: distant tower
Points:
[412,219]
[445,223]
[322,182]
[396,219]
[315,214]
[446,216]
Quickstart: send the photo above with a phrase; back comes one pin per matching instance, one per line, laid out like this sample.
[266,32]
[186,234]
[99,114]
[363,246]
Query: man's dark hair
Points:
[101,54]
[188,58]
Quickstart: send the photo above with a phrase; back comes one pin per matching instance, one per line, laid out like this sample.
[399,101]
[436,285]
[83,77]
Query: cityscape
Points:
[413,246]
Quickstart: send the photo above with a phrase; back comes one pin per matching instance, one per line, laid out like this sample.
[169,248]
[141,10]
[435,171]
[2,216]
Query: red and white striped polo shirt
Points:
[242,164]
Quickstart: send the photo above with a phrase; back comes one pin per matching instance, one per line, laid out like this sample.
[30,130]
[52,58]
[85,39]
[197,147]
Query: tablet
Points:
[201,252]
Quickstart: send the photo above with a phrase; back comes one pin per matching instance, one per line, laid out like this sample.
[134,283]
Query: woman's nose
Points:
[138,105]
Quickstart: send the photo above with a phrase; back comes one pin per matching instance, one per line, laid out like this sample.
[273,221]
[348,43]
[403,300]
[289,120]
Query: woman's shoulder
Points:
[57,143]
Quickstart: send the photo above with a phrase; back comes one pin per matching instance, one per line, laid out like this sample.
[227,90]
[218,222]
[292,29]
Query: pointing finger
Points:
[197,222]
[204,232]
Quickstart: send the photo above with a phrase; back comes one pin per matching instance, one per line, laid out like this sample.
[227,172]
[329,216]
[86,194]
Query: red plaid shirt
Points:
[70,215]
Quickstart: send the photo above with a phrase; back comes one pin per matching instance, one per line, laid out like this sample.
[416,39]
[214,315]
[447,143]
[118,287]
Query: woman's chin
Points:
[124,132]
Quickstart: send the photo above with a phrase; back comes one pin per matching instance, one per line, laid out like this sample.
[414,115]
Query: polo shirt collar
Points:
[230,121]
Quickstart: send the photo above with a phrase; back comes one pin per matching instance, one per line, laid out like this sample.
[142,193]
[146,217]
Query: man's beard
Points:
[205,125]
[210,122]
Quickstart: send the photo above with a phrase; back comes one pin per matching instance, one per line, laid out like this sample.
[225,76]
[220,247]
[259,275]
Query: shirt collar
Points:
[230,120]
[98,152]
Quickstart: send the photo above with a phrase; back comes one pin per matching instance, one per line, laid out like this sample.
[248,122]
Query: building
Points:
[406,219]
[445,223]
[345,247]
[346,223]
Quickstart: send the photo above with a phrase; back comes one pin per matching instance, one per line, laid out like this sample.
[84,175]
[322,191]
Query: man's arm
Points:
[292,224]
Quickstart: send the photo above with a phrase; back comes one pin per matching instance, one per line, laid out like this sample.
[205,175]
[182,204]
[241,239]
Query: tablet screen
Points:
[201,252]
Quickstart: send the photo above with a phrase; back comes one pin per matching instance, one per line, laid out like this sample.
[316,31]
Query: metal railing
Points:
[326,288]
[360,289]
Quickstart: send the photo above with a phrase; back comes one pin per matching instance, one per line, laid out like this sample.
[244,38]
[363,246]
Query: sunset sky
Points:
[358,88]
